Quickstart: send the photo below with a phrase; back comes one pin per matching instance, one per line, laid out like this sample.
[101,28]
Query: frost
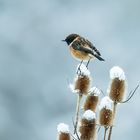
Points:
[89,115]
[117,72]
[71,86]
[106,102]
[64,128]
[83,69]
[95,91]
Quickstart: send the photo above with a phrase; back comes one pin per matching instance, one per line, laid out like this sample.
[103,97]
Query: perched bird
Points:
[82,49]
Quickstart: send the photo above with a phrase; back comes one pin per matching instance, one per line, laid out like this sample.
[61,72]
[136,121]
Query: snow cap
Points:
[89,115]
[63,128]
[83,69]
[71,86]
[95,91]
[117,72]
[106,102]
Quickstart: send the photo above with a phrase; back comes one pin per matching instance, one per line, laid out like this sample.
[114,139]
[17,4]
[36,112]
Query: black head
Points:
[70,38]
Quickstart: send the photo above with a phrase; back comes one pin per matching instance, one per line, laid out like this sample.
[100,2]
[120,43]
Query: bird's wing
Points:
[81,45]
[87,47]
[91,46]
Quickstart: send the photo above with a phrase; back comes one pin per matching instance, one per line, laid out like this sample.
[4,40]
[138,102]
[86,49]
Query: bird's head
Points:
[70,38]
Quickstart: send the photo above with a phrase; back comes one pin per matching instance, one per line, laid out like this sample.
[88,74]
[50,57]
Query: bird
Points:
[82,49]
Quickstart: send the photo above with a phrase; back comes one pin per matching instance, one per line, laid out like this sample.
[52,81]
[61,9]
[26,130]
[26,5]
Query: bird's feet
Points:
[87,63]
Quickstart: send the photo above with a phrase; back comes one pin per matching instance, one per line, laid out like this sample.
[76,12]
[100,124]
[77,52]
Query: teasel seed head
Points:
[88,126]
[106,112]
[117,85]
[82,82]
[63,132]
[92,99]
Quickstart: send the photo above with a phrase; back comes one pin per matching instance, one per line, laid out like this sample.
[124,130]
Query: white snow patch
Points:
[117,72]
[83,69]
[95,91]
[89,115]
[63,128]
[106,102]
[71,86]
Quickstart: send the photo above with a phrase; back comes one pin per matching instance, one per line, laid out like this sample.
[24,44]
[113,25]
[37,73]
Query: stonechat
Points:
[82,49]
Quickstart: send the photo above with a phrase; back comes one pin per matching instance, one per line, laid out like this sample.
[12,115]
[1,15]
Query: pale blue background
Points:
[35,65]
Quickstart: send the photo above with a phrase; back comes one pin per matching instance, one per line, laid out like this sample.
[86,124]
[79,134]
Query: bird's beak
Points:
[63,40]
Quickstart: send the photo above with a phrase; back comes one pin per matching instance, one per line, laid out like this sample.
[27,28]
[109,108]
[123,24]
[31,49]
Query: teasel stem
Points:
[131,94]
[114,113]
[77,112]
[105,132]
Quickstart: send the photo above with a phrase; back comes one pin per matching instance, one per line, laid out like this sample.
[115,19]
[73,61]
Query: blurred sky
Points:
[35,66]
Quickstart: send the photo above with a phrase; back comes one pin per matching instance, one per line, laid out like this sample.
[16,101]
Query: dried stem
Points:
[106,128]
[76,133]
[131,94]
[77,112]
[114,113]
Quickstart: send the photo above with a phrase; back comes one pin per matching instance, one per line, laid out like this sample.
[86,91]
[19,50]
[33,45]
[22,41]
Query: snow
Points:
[64,128]
[106,102]
[83,69]
[95,91]
[71,86]
[117,72]
[89,115]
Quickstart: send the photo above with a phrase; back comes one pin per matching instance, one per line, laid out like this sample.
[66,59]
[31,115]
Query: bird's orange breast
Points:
[80,55]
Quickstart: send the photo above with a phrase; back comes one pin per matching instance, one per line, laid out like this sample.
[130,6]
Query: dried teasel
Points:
[87,128]
[92,99]
[81,87]
[106,113]
[117,85]
[82,84]
[82,81]
[63,132]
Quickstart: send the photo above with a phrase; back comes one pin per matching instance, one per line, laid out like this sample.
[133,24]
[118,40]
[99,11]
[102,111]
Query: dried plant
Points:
[86,128]
[92,99]
[105,114]
[81,87]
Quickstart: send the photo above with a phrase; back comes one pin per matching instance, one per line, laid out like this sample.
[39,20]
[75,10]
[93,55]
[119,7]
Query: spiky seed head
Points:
[117,90]
[106,111]
[117,85]
[92,99]
[82,84]
[88,126]
[91,102]
[105,117]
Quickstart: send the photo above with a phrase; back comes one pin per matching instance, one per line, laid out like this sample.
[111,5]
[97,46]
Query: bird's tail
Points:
[99,57]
